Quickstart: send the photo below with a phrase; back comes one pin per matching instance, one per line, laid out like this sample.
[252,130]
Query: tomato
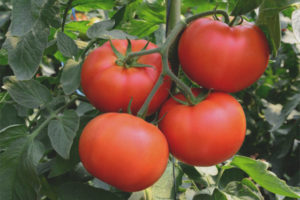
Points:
[124,151]
[204,134]
[110,87]
[225,58]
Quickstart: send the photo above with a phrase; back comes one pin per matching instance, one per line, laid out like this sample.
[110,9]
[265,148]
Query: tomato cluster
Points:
[130,153]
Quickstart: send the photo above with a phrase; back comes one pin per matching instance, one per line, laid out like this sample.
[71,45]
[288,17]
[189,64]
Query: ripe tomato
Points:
[110,87]
[124,151]
[225,58]
[205,134]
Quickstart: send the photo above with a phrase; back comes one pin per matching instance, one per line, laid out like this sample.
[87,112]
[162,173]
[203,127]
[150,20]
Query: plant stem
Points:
[183,87]
[148,194]
[232,21]
[52,116]
[82,55]
[143,110]
[143,52]
[173,14]
[204,14]
[173,35]
[69,4]
[174,177]
[219,176]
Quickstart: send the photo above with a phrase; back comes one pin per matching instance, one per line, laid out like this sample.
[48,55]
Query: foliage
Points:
[43,110]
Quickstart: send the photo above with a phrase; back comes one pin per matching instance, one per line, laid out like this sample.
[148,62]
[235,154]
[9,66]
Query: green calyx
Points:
[126,60]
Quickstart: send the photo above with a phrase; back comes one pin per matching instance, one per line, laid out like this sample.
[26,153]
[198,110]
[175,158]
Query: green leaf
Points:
[66,45]
[231,174]
[154,12]
[276,116]
[80,191]
[164,187]
[19,179]
[11,134]
[3,57]
[238,191]
[94,4]
[28,34]
[140,28]
[50,13]
[257,170]
[62,132]
[98,29]
[269,22]
[115,34]
[30,94]
[296,24]
[60,166]
[251,185]
[211,171]
[25,52]
[4,17]
[218,195]
[70,78]
[79,26]
[9,116]
[22,18]
[205,194]
[193,174]
[241,7]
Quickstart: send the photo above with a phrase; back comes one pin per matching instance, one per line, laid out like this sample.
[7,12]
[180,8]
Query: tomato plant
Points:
[204,134]
[221,57]
[62,76]
[110,82]
[113,144]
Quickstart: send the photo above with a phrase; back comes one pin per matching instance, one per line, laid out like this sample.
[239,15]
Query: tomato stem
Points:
[53,115]
[148,193]
[213,12]
[173,14]
[143,110]
[219,176]
[174,178]
[90,44]
[232,21]
[143,52]
[68,7]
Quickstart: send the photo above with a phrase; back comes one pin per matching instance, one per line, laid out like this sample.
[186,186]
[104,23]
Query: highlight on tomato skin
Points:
[224,58]
[110,87]
[204,134]
[124,151]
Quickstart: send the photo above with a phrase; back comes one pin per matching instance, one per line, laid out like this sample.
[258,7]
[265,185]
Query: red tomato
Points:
[124,151]
[205,134]
[225,58]
[110,87]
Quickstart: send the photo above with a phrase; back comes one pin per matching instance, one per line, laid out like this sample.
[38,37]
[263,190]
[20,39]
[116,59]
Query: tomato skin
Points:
[124,151]
[110,87]
[225,58]
[205,134]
